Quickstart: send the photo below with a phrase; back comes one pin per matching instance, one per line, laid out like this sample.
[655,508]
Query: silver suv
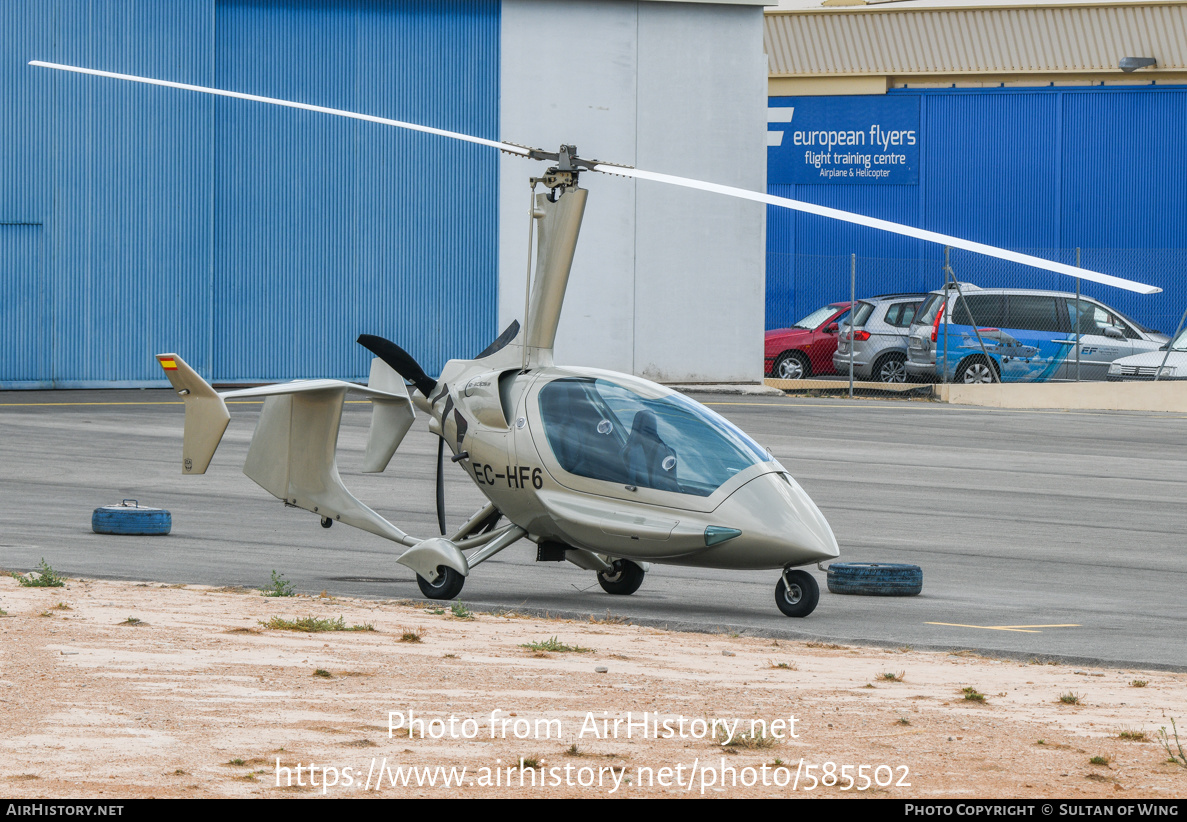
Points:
[880,339]
[1020,335]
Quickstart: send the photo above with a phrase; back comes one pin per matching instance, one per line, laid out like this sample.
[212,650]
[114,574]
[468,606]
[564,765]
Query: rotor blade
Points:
[624,171]
[441,484]
[400,361]
[508,147]
[884,225]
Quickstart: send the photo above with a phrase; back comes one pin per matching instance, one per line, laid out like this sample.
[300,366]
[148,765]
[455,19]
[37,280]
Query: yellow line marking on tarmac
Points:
[938,406]
[34,404]
[805,405]
[166,402]
[1023,629]
[914,407]
[983,627]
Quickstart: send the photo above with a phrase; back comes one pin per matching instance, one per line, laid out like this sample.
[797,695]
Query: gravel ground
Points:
[124,689]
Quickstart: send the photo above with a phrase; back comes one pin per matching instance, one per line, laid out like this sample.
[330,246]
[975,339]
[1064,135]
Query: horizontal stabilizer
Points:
[292,453]
[392,413]
[206,415]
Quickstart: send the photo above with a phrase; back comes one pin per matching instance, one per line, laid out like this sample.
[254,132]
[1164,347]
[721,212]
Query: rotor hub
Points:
[562,176]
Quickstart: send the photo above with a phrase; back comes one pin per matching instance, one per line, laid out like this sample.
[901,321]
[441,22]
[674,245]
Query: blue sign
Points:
[849,140]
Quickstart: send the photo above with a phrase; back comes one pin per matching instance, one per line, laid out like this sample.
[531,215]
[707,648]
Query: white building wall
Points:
[667,283]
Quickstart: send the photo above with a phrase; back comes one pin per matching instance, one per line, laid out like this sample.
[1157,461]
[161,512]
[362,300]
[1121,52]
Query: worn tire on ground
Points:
[875,579]
[131,520]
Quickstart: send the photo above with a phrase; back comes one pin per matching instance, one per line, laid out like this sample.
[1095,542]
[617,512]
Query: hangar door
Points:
[26,326]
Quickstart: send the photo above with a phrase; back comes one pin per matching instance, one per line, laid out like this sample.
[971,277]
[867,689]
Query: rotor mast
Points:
[559,211]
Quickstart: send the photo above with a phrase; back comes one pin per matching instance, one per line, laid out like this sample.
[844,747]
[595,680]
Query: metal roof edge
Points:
[885,8]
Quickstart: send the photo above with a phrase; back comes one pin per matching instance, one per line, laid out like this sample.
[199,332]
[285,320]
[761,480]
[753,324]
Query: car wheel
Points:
[875,579]
[891,368]
[975,371]
[792,365]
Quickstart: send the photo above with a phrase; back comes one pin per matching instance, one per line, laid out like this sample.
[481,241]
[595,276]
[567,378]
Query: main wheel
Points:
[623,578]
[448,585]
[891,368]
[975,371]
[791,365]
[800,597]
[875,579]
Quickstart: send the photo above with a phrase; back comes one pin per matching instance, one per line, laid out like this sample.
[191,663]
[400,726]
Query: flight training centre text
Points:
[842,163]
[839,140]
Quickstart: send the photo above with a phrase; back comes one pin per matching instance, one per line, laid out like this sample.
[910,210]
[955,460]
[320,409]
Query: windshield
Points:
[604,431]
[816,317]
[1133,322]
[1179,343]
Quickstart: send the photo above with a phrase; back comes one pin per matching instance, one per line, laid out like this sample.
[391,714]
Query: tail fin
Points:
[206,414]
[390,418]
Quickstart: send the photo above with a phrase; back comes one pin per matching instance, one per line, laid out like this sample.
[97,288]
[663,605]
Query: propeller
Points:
[408,368]
[400,361]
[403,364]
[501,341]
[441,484]
[569,161]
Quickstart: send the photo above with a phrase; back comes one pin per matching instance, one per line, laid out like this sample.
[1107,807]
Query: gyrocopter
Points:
[601,469]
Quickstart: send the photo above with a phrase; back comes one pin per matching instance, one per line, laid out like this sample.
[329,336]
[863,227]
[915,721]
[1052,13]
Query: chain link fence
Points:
[965,317]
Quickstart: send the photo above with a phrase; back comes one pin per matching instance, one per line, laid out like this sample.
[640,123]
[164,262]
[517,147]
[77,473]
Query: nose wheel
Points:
[797,593]
[623,578]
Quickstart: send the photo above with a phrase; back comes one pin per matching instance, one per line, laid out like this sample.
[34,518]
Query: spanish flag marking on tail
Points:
[168,363]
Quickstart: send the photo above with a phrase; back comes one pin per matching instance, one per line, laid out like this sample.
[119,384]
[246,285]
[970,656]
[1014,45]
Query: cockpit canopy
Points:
[604,431]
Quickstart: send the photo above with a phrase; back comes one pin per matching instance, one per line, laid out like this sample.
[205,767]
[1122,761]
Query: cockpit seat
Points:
[580,447]
[650,462]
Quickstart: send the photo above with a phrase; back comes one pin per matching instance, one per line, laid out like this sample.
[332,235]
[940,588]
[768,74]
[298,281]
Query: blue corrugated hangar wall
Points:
[1046,169]
[255,241]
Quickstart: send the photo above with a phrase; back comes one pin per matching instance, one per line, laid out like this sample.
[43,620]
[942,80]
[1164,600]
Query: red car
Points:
[807,348]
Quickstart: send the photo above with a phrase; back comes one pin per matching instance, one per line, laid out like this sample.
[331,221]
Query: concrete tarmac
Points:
[1045,535]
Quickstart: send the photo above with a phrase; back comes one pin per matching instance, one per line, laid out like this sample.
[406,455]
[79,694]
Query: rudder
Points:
[206,414]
